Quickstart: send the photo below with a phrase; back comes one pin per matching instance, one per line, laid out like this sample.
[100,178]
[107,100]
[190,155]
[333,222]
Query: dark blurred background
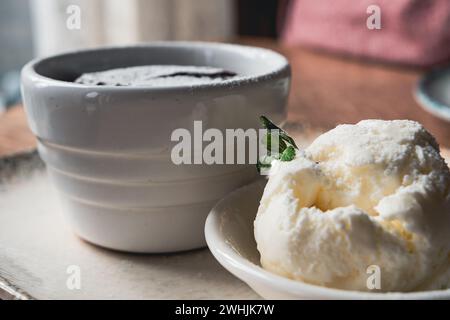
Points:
[413,32]
[26,32]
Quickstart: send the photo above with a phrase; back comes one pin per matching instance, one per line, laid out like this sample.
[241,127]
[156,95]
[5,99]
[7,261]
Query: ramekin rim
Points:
[29,69]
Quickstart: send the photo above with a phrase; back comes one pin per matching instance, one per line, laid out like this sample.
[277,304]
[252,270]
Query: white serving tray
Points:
[38,249]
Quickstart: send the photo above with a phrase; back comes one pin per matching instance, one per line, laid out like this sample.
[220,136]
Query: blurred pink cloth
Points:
[412,31]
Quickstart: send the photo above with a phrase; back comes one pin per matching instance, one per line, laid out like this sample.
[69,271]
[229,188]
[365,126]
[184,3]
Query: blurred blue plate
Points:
[433,92]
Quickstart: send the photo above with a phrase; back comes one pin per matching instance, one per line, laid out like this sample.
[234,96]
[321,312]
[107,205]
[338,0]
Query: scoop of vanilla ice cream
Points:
[374,193]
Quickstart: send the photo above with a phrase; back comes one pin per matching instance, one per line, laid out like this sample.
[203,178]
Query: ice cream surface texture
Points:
[373,193]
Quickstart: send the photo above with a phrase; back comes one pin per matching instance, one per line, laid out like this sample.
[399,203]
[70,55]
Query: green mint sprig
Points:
[286,145]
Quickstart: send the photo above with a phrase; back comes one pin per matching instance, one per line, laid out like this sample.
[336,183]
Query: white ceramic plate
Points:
[229,234]
[433,93]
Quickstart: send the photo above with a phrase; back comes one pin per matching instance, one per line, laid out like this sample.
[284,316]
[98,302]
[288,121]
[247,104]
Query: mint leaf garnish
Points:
[268,141]
[286,145]
[288,154]
[269,125]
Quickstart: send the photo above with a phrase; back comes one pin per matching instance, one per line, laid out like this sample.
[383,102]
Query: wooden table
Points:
[15,136]
[326,90]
